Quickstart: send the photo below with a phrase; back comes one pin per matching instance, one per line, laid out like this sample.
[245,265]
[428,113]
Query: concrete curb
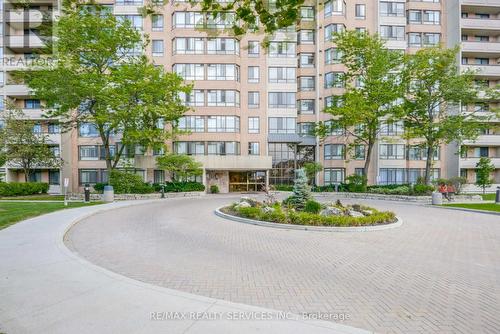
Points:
[398,223]
[464,209]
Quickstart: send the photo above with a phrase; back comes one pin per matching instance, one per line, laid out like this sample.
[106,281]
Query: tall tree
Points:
[101,75]
[22,147]
[372,88]
[484,168]
[435,87]
[180,166]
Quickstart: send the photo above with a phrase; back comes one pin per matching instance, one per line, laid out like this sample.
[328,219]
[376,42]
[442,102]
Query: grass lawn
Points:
[35,198]
[476,206]
[488,197]
[13,212]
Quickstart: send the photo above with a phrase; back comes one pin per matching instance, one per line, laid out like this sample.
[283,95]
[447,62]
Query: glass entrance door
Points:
[247,181]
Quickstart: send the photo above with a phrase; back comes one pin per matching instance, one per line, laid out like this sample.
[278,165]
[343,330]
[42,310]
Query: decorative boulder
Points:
[367,212]
[353,213]
[268,209]
[331,211]
[243,205]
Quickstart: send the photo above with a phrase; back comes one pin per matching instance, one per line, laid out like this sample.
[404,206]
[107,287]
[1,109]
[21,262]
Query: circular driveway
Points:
[438,273]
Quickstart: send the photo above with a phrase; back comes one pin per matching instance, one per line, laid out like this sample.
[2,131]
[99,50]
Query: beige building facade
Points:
[252,106]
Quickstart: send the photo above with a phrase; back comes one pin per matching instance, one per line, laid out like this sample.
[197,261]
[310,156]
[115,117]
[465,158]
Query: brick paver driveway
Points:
[438,273]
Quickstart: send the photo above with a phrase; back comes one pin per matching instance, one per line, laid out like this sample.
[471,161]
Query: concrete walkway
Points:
[45,288]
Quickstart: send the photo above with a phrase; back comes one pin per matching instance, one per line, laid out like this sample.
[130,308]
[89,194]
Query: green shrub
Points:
[99,187]
[422,189]
[214,189]
[183,186]
[356,183]
[283,187]
[312,206]
[128,183]
[8,189]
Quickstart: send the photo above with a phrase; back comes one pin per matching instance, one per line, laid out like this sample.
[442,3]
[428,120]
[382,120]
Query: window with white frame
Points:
[392,32]
[253,48]
[228,72]
[253,74]
[392,151]
[334,80]
[282,125]
[306,59]
[307,13]
[334,7]
[190,71]
[135,20]
[157,47]
[392,128]
[391,8]
[189,147]
[253,148]
[334,152]
[282,49]
[282,100]
[332,56]
[223,98]
[223,124]
[192,123]
[334,175]
[392,176]
[157,22]
[282,75]
[334,128]
[359,152]
[88,152]
[196,98]
[188,45]
[306,36]
[253,125]
[360,11]
[223,46]
[223,148]
[253,100]
[306,107]
[187,19]
[333,28]
[305,128]
[306,83]
[221,20]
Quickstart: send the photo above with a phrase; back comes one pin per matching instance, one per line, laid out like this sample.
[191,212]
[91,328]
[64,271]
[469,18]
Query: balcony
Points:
[484,140]
[217,162]
[471,162]
[21,19]
[481,3]
[24,42]
[17,90]
[483,70]
[481,47]
[481,24]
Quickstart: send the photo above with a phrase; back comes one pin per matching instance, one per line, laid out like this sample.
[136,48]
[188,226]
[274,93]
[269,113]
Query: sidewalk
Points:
[45,288]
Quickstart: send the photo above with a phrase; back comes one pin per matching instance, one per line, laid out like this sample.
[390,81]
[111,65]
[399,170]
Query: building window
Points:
[334,7]
[187,19]
[392,32]
[306,84]
[359,171]
[432,17]
[32,104]
[306,128]
[159,176]
[157,22]
[420,153]
[414,16]
[282,49]
[286,157]
[88,130]
[253,148]
[359,152]
[188,45]
[334,80]
[306,107]
[333,101]
[157,46]
[415,39]
[228,72]
[135,20]
[223,124]
[53,128]
[190,71]
[253,48]
[392,8]
[88,176]
[392,151]
[253,74]
[306,36]
[192,123]
[306,60]
[221,20]
[88,152]
[223,46]
[392,176]
[331,29]
[282,100]
[334,129]
[360,11]
[334,175]
[54,177]
[189,147]
[282,125]
[334,152]
[253,100]
[196,98]
[223,148]
[430,39]
[223,98]
[392,128]
[332,56]
[281,75]
[307,13]
[253,125]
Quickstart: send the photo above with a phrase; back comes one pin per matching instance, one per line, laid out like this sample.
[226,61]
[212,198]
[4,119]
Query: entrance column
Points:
[204,179]
[267,179]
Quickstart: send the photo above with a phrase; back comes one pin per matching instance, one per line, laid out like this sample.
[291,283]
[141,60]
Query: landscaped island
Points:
[302,209]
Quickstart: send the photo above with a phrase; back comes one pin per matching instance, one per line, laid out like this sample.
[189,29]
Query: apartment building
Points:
[477,28]
[253,106]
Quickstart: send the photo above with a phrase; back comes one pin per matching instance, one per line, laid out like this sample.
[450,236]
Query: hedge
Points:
[23,188]
[169,187]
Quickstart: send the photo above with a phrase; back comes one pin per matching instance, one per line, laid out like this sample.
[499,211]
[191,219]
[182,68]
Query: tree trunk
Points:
[368,158]
[26,174]
[428,164]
